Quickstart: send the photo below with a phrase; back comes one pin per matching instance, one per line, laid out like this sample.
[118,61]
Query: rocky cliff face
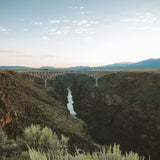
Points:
[24,101]
[124,109]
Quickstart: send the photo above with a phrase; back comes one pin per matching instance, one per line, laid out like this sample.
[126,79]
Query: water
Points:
[70,103]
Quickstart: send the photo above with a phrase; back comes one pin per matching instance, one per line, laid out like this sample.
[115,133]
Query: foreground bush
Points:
[43,144]
[41,139]
[112,153]
[36,137]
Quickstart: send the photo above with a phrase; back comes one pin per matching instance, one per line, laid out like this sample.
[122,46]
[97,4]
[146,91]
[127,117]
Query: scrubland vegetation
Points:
[42,144]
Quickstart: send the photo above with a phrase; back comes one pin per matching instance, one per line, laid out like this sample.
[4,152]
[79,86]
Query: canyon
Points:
[124,109]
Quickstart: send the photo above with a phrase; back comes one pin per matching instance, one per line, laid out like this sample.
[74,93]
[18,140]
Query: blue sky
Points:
[65,33]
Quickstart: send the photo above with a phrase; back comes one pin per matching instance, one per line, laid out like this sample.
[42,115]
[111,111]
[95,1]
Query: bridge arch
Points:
[47,74]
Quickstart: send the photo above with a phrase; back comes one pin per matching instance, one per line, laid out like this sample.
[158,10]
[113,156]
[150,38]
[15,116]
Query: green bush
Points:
[36,138]
[41,139]
[107,153]
[42,144]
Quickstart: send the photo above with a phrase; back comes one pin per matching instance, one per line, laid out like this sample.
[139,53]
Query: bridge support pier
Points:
[96,82]
[45,83]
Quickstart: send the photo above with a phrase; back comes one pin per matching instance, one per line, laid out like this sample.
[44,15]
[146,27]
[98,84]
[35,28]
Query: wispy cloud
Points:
[73,7]
[81,7]
[72,27]
[146,28]
[81,30]
[54,21]
[59,31]
[75,21]
[66,21]
[37,22]
[143,22]
[3,29]
[142,18]
[88,25]
[94,22]
[77,7]
[82,22]
[82,13]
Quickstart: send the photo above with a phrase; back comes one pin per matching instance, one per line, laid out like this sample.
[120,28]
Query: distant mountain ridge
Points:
[14,67]
[47,67]
[149,63]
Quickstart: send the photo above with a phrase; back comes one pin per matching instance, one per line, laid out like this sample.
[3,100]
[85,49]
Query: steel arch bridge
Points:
[45,74]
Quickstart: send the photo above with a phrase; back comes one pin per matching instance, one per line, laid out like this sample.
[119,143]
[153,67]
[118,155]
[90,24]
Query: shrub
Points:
[42,144]
[36,155]
[107,153]
[36,137]
[42,139]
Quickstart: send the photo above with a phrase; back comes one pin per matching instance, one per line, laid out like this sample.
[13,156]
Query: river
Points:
[70,103]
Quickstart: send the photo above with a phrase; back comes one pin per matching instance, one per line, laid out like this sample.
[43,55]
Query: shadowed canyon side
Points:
[24,101]
[124,109]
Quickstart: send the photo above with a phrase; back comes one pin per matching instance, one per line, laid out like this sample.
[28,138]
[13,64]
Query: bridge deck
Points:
[45,74]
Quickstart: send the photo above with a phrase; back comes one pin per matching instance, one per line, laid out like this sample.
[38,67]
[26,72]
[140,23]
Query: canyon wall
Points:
[124,109]
[25,101]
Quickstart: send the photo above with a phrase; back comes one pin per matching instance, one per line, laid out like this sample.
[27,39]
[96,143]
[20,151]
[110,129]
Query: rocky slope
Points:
[125,109]
[24,101]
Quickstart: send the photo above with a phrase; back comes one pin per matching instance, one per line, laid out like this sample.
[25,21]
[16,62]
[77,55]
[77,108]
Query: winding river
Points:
[70,103]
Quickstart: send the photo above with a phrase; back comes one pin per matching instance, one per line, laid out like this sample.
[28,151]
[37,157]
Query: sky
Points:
[65,33]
